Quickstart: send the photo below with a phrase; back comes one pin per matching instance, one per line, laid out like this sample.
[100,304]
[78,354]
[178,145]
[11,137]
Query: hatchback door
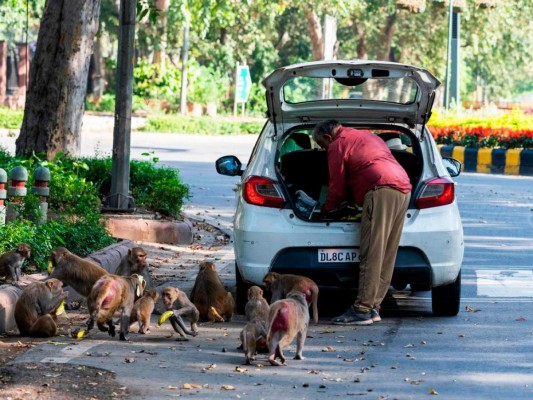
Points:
[354,90]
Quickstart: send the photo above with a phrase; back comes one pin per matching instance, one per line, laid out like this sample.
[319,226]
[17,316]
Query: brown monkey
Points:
[74,271]
[142,310]
[35,310]
[209,295]
[281,284]
[177,301]
[12,261]
[253,339]
[135,263]
[289,318]
[256,307]
[110,294]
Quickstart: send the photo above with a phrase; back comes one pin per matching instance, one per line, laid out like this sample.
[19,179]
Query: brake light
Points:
[263,192]
[436,192]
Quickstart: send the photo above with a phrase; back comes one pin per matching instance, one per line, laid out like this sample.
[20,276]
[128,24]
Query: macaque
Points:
[256,307]
[111,294]
[210,297]
[142,310]
[11,261]
[253,339]
[289,318]
[281,284]
[177,301]
[35,310]
[74,271]
[135,263]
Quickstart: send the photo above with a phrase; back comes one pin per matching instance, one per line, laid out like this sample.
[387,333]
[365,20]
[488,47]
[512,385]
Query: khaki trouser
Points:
[384,211]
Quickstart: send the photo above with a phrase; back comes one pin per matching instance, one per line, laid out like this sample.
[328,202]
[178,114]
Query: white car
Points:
[278,225]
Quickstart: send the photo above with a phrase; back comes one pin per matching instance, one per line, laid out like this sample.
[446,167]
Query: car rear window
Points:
[302,89]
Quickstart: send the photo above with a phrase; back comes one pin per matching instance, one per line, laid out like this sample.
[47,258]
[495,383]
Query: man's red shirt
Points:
[358,162]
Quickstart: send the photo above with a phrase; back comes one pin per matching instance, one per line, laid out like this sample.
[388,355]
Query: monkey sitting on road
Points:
[36,308]
[74,271]
[210,297]
[176,300]
[289,318]
[142,310]
[135,263]
[11,261]
[281,284]
[256,307]
[110,294]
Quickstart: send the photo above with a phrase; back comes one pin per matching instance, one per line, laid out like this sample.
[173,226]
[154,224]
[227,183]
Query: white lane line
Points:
[504,283]
[70,352]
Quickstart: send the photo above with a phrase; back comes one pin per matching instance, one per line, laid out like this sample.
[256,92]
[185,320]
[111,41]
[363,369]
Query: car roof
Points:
[351,91]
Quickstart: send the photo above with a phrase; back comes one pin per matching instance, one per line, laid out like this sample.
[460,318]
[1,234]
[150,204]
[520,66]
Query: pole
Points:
[120,174]
[448,50]
[235,99]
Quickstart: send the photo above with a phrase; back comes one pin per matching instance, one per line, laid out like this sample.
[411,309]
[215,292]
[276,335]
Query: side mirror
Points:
[452,165]
[228,165]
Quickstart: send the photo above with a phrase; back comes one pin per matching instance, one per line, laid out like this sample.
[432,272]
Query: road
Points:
[483,353]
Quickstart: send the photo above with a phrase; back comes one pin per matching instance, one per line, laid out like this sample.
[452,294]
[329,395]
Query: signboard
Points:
[243,84]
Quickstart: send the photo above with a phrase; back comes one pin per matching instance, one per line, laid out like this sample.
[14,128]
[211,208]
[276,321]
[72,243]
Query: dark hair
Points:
[324,128]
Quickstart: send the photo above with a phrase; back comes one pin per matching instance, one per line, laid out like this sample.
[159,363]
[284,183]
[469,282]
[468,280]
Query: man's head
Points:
[325,132]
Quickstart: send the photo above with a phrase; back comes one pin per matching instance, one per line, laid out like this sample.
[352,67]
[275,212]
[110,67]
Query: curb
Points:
[491,161]
[108,257]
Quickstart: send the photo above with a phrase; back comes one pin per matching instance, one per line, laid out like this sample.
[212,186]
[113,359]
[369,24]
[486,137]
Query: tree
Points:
[58,78]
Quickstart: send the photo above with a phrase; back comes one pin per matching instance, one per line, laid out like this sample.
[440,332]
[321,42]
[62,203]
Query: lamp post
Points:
[452,58]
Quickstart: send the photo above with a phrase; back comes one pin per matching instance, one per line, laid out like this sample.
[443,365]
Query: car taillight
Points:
[436,192]
[263,192]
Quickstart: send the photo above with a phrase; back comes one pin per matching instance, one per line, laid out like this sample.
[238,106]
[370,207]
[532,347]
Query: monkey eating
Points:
[177,302]
[134,262]
[37,308]
[111,294]
[74,271]
[210,297]
[289,318]
[142,310]
[281,284]
[11,261]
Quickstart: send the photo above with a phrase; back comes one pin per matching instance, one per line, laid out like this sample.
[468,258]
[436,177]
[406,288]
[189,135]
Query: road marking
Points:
[504,283]
[70,353]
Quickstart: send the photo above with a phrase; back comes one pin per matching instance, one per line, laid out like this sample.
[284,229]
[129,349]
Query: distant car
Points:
[278,226]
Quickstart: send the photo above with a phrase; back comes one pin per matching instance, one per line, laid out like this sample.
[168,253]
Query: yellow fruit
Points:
[49,267]
[166,315]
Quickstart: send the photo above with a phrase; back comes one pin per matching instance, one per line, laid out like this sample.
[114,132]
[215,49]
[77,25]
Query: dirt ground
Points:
[67,381]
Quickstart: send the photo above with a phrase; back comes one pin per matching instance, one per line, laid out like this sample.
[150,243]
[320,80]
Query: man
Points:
[362,167]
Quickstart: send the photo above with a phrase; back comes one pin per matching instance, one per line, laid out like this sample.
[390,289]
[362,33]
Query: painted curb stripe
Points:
[484,160]
[526,162]
[512,162]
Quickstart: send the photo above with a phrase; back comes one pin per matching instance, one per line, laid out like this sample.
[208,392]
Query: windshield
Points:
[401,90]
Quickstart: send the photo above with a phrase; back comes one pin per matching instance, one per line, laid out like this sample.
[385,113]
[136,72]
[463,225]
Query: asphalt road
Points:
[483,353]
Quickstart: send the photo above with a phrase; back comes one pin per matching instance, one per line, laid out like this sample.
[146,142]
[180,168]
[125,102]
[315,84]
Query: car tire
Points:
[419,287]
[445,300]
[241,292]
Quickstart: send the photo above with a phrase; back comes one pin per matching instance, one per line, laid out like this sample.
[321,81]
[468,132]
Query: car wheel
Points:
[445,299]
[399,285]
[241,291]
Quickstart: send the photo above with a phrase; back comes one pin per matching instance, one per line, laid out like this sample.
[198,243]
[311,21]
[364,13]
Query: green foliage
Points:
[106,103]
[10,119]
[206,85]
[152,81]
[200,125]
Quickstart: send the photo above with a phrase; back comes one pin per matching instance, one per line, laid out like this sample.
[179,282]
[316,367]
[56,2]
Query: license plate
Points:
[338,255]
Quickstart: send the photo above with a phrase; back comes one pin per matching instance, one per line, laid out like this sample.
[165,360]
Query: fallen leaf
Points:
[409,345]
[328,349]
[328,330]
[170,387]
[227,387]
[241,369]
[189,386]
[521,319]
[129,360]
[470,309]
[433,391]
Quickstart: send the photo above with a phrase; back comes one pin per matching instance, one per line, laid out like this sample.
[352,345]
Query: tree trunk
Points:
[58,78]
[317,38]
[387,36]
[161,28]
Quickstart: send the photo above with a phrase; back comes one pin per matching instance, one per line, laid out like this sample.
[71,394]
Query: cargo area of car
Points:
[307,170]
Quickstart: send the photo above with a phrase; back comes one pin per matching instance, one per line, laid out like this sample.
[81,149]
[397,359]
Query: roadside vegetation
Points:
[77,188]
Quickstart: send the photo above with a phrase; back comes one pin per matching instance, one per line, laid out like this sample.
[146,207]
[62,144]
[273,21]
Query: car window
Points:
[401,90]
